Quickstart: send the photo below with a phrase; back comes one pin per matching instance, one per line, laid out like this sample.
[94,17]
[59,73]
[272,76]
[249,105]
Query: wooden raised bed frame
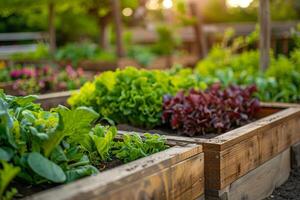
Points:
[176,173]
[230,158]
[54,99]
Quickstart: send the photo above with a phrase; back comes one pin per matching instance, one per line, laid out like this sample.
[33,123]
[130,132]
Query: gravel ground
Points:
[290,190]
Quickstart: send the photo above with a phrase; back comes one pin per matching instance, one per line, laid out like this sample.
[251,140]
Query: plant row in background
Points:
[279,83]
[47,148]
[135,97]
[42,79]
[73,53]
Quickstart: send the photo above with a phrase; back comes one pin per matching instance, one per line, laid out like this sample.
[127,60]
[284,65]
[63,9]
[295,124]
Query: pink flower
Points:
[15,74]
[71,72]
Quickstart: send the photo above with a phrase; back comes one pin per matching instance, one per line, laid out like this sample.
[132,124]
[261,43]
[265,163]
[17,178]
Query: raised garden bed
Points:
[247,155]
[66,145]
[230,157]
[176,173]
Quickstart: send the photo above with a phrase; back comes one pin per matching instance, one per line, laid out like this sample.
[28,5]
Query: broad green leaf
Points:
[80,172]
[72,123]
[5,154]
[46,168]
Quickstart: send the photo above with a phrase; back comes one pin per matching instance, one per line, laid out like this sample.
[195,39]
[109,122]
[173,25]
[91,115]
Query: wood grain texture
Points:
[278,105]
[54,99]
[255,128]
[177,173]
[258,183]
[238,154]
[231,155]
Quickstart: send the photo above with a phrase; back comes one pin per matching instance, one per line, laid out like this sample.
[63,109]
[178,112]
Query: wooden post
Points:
[201,43]
[265,33]
[118,25]
[51,24]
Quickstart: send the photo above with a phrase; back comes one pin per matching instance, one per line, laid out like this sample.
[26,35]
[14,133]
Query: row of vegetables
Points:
[153,98]
[46,148]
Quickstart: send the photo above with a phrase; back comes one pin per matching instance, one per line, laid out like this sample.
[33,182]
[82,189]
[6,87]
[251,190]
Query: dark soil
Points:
[162,130]
[27,190]
[290,190]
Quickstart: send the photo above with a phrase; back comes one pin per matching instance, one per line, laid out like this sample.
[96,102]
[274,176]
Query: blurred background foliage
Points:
[77,20]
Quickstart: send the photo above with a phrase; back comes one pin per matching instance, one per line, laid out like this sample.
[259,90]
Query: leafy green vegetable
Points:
[84,51]
[133,146]
[80,172]
[7,174]
[71,123]
[131,95]
[46,168]
[56,146]
[104,140]
[280,82]
[5,155]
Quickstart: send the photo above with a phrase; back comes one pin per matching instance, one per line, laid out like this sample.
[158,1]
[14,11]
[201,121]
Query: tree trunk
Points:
[265,33]
[103,35]
[51,26]
[118,25]
[200,39]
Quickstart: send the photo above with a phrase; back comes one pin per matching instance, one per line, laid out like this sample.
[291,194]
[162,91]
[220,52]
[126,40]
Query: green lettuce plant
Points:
[133,96]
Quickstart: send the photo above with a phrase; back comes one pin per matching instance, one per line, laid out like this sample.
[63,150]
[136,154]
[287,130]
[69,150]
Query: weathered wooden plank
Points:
[237,135]
[278,105]
[54,99]
[235,153]
[175,178]
[170,174]
[258,183]
[237,159]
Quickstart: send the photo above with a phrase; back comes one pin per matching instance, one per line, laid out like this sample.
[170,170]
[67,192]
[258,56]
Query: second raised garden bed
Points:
[254,154]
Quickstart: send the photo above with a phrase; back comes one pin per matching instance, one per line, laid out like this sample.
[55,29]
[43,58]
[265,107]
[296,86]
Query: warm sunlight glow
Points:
[127,12]
[167,4]
[152,5]
[239,3]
